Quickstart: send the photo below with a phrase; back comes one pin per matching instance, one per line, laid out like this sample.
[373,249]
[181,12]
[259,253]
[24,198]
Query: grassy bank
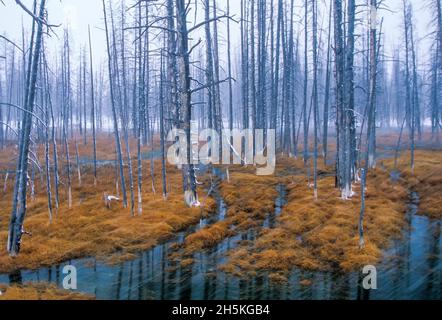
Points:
[322,234]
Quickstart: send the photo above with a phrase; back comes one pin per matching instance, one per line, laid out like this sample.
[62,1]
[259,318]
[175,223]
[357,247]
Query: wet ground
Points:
[411,269]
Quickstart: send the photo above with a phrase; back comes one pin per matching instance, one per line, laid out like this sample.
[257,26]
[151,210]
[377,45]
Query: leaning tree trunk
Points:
[18,215]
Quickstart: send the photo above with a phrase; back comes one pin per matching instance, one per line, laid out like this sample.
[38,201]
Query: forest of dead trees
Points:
[318,72]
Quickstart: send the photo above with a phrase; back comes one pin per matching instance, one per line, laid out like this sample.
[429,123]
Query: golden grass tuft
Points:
[89,228]
[39,291]
[277,277]
[311,234]
[322,234]
[207,237]
[249,199]
[426,179]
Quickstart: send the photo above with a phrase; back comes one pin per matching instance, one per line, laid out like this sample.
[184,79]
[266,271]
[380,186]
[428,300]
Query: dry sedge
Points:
[249,199]
[39,291]
[89,228]
[323,234]
[426,180]
[313,234]
[207,237]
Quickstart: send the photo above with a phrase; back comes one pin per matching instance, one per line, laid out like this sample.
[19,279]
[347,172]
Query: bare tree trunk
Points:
[77,157]
[55,155]
[124,115]
[350,166]
[245,65]
[315,96]
[114,112]
[185,96]
[277,63]
[18,214]
[327,90]
[415,112]
[84,98]
[47,149]
[253,70]
[305,114]
[140,111]
[67,107]
[162,131]
[229,68]
[93,107]
[371,113]
[211,95]
[339,74]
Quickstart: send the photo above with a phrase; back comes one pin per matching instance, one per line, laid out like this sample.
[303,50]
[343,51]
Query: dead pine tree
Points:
[305,92]
[18,213]
[315,96]
[327,89]
[66,96]
[371,114]
[114,111]
[350,167]
[124,102]
[92,95]
[339,79]
[162,131]
[141,101]
[47,135]
[185,100]
[77,157]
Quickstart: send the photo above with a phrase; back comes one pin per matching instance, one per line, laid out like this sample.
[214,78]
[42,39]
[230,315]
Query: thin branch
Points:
[24,110]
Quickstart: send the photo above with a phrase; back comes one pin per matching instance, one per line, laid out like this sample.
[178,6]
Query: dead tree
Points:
[18,213]
[185,99]
[340,95]
[327,90]
[304,110]
[315,95]
[371,111]
[67,108]
[162,131]
[94,138]
[114,111]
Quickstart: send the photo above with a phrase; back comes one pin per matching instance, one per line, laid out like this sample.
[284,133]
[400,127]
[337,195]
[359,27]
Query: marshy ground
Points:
[251,227]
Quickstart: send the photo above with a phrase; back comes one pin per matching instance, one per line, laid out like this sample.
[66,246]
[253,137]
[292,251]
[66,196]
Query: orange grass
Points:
[39,291]
[207,237]
[313,234]
[322,234]
[426,179]
[249,199]
[91,229]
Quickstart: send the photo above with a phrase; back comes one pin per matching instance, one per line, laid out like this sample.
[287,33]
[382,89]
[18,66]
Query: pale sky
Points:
[78,14]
